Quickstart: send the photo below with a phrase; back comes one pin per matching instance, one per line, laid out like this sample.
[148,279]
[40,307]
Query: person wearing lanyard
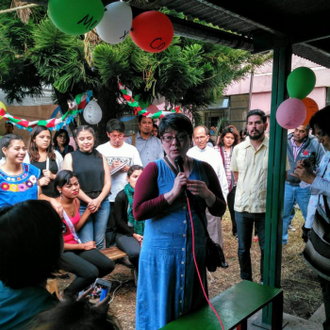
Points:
[81,259]
[300,146]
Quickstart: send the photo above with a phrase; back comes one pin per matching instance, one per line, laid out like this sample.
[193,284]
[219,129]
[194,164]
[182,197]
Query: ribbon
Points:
[75,108]
[134,103]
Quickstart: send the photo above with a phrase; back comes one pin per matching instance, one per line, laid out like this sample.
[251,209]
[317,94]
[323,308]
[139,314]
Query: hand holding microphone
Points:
[181,179]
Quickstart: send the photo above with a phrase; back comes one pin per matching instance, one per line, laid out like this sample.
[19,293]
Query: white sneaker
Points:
[292,228]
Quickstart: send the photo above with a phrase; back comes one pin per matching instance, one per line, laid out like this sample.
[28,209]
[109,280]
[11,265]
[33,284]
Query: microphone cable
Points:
[196,266]
[179,164]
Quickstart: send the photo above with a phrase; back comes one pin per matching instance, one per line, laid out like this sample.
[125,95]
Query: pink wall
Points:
[262,82]
[263,100]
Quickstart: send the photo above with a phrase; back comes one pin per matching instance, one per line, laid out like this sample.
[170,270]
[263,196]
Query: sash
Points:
[71,227]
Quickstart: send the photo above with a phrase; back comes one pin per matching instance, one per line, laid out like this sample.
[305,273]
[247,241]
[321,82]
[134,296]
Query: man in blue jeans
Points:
[300,146]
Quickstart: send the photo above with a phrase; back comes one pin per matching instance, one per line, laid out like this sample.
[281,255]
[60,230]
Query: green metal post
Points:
[276,176]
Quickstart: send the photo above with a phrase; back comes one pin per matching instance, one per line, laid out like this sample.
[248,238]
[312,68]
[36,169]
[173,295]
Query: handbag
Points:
[214,254]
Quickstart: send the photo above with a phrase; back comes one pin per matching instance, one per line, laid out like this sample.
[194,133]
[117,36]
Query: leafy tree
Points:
[193,74]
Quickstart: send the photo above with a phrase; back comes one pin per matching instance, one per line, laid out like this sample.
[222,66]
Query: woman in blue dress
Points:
[18,180]
[168,285]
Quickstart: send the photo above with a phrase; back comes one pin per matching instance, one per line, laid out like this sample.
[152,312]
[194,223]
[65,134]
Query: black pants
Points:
[87,266]
[325,285]
[231,202]
[131,246]
[110,234]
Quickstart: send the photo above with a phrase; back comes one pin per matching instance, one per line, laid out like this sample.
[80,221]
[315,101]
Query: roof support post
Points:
[276,176]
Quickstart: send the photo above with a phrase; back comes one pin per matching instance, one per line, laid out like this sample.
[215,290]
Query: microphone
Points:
[179,163]
[178,160]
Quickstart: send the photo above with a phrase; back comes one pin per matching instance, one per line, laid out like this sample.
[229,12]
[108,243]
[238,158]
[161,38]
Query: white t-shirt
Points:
[212,157]
[125,154]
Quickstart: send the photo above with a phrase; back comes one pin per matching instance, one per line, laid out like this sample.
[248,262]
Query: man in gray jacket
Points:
[301,146]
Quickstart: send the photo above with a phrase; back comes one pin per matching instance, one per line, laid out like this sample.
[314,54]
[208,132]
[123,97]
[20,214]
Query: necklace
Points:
[71,212]
[70,209]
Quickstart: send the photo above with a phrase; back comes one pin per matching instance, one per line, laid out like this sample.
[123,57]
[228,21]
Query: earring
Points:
[60,192]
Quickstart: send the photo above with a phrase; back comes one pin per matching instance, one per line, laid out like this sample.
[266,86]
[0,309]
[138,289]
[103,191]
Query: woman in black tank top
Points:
[94,176]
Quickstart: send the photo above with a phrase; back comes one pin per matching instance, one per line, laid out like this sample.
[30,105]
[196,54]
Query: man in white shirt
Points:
[120,157]
[202,151]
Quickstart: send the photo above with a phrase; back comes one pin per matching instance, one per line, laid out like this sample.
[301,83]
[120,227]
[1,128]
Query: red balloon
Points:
[152,31]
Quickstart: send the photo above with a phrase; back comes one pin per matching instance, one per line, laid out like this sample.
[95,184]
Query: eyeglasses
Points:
[61,136]
[116,137]
[170,138]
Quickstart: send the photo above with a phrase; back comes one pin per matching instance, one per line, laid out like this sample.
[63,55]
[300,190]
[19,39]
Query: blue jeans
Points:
[292,195]
[244,221]
[96,224]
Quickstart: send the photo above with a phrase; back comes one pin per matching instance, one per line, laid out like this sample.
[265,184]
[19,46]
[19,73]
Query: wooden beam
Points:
[18,8]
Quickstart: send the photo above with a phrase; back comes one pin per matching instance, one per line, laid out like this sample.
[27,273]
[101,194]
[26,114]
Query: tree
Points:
[193,74]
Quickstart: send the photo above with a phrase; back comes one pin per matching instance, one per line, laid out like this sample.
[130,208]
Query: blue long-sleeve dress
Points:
[168,286]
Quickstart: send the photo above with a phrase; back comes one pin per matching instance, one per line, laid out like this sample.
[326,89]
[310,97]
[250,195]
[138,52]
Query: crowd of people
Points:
[146,194]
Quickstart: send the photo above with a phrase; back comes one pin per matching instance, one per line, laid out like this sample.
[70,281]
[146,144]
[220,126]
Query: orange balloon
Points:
[311,107]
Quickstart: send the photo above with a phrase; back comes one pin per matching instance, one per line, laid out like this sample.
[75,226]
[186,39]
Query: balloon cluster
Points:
[152,30]
[298,109]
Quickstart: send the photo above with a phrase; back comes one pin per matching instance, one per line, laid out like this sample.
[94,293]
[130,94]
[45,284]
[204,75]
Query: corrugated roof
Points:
[255,25]
[302,23]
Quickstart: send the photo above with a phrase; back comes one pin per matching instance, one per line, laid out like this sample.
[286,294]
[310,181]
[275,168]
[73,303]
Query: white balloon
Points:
[159,99]
[116,23]
[92,113]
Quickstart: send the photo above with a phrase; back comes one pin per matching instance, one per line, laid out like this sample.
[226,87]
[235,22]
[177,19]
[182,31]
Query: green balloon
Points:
[301,81]
[75,16]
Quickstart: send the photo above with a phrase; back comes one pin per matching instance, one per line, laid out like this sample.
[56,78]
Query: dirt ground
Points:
[302,293]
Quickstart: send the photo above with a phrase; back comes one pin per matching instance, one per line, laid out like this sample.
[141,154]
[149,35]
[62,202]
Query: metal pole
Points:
[276,176]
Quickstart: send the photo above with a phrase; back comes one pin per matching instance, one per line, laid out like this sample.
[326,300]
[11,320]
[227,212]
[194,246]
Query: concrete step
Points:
[291,322]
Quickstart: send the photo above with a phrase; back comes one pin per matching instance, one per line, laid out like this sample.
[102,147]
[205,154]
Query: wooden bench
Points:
[234,307]
[113,253]
[52,287]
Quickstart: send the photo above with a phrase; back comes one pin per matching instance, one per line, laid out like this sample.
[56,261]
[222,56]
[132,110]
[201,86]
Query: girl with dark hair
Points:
[81,259]
[41,154]
[229,139]
[61,142]
[18,180]
[93,174]
[30,245]
[129,231]
[242,134]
